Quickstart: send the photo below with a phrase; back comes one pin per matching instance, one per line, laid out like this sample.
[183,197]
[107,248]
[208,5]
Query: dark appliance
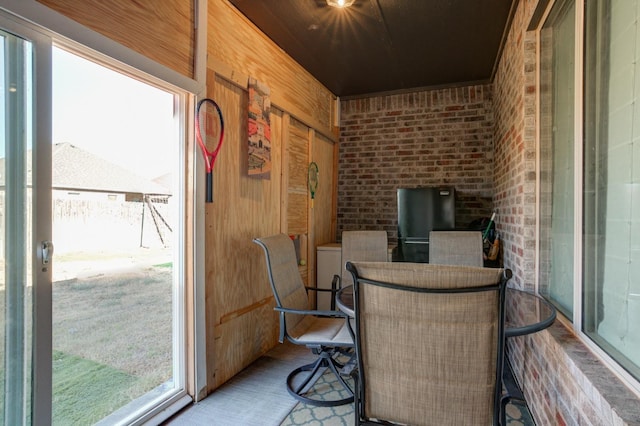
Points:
[421,210]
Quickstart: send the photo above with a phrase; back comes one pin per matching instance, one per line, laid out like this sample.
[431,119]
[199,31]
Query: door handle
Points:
[47,252]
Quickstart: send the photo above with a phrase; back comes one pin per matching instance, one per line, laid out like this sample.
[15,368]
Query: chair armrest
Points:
[334,314]
[325,314]
[320,289]
[336,284]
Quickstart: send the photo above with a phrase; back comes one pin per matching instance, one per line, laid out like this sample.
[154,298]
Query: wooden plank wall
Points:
[241,323]
[161,30]
[240,319]
[238,50]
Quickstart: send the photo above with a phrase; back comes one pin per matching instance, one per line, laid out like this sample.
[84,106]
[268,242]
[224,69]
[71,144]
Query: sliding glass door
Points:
[118,341]
[15,228]
[91,161]
[25,248]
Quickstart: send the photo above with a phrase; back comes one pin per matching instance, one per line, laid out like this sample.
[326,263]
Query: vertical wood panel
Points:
[161,30]
[298,158]
[321,229]
[297,164]
[297,213]
[284,184]
[241,322]
[311,240]
[323,155]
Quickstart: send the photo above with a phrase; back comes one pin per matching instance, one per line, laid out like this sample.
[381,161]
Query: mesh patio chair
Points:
[370,246]
[326,333]
[429,343]
[362,246]
[455,248]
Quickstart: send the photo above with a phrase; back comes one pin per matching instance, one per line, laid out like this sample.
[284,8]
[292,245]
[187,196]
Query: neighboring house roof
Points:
[77,169]
[165,180]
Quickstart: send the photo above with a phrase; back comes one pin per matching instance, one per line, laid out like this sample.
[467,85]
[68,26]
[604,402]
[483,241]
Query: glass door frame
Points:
[41,219]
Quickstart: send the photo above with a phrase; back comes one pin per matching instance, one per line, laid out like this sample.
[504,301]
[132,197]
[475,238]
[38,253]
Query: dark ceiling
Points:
[387,45]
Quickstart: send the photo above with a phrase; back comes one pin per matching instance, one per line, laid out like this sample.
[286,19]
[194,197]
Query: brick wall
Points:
[515,152]
[564,382]
[438,137]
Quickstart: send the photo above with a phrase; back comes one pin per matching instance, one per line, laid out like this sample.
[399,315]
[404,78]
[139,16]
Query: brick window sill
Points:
[566,383]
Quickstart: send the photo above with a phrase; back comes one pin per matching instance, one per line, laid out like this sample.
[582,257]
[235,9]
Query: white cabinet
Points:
[327,265]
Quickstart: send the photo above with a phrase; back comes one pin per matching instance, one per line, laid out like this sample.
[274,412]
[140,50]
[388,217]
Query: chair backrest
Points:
[284,276]
[429,343]
[455,248]
[364,246]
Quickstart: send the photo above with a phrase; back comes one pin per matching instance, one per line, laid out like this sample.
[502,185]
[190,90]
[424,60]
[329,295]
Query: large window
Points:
[606,168]
[612,180]
[557,94]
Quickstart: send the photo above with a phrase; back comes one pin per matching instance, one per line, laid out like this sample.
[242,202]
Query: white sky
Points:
[120,119]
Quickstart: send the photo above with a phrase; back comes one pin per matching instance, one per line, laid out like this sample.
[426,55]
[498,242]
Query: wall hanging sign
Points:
[259,132]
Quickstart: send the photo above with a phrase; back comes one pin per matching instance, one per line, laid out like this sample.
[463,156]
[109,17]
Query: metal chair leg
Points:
[324,361]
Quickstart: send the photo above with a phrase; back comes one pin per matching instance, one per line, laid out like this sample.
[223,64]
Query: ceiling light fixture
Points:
[341,4]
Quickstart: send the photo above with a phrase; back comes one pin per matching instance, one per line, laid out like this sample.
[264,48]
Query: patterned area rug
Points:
[343,415]
[327,387]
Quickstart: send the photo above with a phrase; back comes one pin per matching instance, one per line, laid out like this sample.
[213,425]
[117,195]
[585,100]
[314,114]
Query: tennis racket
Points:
[209,133]
[312,180]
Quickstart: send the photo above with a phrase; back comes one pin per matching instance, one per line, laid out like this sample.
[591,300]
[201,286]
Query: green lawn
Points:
[112,341]
[77,380]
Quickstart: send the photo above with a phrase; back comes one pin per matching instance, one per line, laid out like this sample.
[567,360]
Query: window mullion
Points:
[578,169]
